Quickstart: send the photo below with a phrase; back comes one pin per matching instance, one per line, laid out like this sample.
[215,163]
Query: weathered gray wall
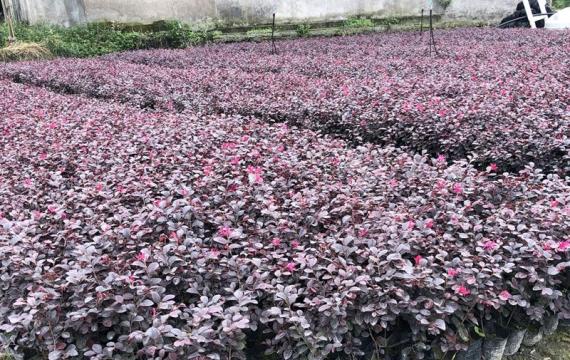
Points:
[68,12]
[473,9]
[245,11]
[63,12]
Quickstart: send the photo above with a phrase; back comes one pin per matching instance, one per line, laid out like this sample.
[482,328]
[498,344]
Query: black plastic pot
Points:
[514,342]
[532,337]
[474,352]
[550,325]
[565,323]
[494,348]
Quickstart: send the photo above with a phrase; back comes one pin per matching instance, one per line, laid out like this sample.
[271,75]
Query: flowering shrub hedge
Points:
[495,96]
[162,235]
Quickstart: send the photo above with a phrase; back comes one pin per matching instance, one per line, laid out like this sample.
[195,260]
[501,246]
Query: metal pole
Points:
[7,9]
[431,35]
[273,47]
[422,23]
[430,29]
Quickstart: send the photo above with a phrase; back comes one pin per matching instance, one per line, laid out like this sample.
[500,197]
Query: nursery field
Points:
[345,198]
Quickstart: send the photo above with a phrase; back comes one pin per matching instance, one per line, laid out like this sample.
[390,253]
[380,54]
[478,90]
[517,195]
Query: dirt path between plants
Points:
[555,347]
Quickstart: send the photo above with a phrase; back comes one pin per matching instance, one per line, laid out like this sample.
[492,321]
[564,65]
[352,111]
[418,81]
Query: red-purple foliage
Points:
[169,235]
[496,96]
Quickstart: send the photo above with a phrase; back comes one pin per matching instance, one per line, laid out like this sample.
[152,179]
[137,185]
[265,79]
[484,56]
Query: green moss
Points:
[263,32]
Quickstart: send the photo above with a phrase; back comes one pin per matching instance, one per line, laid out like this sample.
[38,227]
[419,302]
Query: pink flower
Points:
[207,170]
[493,167]
[490,245]
[276,242]
[36,215]
[457,188]
[290,267]
[418,259]
[141,256]
[99,187]
[441,158]
[214,253]
[564,245]
[254,174]
[235,160]
[463,291]
[393,183]
[42,156]
[28,182]
[452,272]
[411,224]
[225,232]
[505,295]
[441,184]
[245,138]
[52,209]
[554,203]
[294,244]
[429,223]
[362,232]
[345,90]
[228,145]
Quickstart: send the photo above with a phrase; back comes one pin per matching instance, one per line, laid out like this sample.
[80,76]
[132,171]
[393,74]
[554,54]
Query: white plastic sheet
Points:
[560,20]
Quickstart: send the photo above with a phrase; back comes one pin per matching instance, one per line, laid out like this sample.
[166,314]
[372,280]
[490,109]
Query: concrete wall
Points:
[472,9]
[245,11]
[62,12]
[251,12]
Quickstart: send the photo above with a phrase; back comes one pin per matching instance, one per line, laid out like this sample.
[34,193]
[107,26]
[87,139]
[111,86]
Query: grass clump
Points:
[24,51]
[103,38]
[358,23]
[303,30]
[445,3]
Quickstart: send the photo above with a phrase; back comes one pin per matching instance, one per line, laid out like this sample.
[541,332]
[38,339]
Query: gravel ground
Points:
[556,347]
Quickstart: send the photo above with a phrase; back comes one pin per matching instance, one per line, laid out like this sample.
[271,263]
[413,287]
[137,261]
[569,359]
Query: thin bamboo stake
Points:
[7,9]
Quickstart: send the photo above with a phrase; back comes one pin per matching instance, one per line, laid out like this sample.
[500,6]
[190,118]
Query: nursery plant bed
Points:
[347,198]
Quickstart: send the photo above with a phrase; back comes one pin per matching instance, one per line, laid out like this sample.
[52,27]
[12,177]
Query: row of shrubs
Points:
[380,91]
[128,233]
[103,38]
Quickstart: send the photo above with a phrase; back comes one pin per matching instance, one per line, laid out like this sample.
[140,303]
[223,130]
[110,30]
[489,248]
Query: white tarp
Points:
[560,20]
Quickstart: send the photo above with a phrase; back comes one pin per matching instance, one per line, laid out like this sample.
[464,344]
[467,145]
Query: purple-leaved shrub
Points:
[493,96]
[126,233]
